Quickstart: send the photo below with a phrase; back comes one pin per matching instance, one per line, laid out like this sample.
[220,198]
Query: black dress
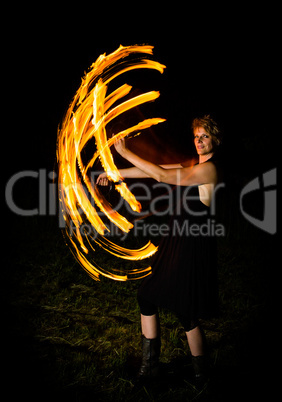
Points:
[184,270]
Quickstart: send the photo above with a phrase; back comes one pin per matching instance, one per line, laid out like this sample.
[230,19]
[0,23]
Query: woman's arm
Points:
[136,173]
[131,173]
[128,173]
[196,175]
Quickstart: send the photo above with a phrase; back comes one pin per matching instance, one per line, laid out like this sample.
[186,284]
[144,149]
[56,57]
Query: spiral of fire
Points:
[91,109]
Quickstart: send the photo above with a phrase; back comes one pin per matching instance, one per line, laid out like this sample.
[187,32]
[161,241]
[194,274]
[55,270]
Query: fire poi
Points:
[91,109]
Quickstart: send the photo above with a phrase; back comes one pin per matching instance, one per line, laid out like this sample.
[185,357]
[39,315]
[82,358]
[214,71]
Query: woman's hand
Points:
[120,146]
[102,179]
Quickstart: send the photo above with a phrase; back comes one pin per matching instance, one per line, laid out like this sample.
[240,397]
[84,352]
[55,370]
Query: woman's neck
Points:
[204,158]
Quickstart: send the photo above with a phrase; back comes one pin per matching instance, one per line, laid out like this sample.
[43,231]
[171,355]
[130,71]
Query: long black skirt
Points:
[184,269]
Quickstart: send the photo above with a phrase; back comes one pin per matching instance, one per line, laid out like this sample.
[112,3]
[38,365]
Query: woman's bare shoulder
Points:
[205,172]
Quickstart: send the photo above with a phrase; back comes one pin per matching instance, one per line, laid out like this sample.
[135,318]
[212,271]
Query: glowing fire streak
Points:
[87,117]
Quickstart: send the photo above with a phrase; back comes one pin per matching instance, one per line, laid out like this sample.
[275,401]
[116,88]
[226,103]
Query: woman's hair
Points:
[210,127]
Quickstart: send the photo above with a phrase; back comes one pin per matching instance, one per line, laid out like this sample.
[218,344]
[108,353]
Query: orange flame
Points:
[87,117]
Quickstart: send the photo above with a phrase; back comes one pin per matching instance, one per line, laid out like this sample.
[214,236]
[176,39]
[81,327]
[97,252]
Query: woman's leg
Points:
[150,339]
[149,318]
[150,326]
[196,341]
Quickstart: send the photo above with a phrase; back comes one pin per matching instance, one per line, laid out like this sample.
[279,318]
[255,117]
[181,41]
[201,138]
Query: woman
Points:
[183,275]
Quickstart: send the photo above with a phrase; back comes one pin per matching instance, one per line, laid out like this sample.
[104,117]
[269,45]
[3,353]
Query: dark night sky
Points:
[225,66]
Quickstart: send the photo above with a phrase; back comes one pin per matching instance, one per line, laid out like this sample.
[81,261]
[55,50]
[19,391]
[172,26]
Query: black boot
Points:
[200,367]
[150,358]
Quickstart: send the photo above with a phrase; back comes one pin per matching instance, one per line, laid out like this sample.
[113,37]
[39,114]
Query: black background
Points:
[221,61]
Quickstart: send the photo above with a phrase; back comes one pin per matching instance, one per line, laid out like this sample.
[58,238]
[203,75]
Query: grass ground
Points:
[69,338]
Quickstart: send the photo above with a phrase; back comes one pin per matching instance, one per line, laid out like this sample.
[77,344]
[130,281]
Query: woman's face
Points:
[202,141]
